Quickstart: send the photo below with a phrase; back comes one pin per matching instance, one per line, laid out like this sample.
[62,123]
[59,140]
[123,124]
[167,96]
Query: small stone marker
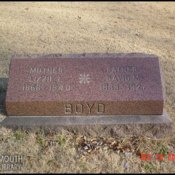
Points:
[92,84]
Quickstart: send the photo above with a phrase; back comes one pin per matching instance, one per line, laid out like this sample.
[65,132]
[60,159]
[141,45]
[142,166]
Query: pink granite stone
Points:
[85,84]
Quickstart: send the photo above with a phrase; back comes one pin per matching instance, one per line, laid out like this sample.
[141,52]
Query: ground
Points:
[78,27]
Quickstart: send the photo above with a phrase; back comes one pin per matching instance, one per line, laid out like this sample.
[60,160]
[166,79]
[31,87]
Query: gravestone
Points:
[87,91]
[85,86]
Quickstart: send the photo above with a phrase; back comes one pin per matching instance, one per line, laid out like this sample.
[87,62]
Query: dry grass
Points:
[76,27]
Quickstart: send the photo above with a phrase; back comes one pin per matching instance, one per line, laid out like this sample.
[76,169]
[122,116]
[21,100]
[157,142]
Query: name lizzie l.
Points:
[80,108]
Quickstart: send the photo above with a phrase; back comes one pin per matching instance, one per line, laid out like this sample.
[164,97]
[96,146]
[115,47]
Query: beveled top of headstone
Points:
[81,78]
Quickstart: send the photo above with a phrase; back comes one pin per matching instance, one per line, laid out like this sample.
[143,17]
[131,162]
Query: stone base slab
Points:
[156,126]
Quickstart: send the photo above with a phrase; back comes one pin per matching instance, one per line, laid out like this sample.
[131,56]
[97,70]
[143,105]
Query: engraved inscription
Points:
[114,77]
[90,107]
[121,69]
[122,78]
[40,79]
[136,87]
[31,88]
[68,109]
[57,87]
[101,108]
[79,108]
[109,86]
[45,78]
[46,70]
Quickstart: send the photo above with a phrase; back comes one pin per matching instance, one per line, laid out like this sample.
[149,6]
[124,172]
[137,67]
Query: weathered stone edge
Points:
[83,55]
[118,126]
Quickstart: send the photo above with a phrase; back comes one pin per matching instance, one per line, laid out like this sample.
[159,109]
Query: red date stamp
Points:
[159,157]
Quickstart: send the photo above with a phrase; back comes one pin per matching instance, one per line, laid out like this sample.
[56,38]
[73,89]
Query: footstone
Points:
[103,125]
[85,84]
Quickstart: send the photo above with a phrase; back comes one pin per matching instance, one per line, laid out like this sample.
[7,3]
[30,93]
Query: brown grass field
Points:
[78,27]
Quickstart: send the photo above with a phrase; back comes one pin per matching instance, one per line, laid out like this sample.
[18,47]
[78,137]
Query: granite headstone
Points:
[119,84]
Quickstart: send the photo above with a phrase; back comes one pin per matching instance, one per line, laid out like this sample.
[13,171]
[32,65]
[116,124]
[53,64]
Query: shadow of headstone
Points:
[3,88]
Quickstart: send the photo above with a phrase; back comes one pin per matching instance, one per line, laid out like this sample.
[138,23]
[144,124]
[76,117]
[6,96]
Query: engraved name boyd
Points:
[79,108]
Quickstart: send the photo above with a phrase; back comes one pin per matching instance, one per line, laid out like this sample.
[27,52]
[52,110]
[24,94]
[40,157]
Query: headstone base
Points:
[154,126]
